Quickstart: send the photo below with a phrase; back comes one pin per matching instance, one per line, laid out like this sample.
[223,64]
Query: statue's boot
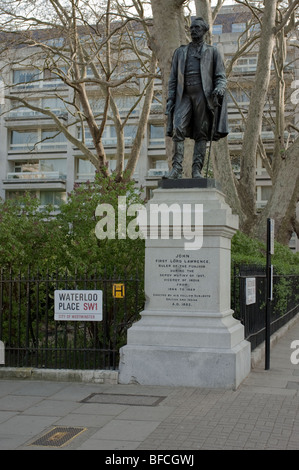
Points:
[177,161]
[198,158]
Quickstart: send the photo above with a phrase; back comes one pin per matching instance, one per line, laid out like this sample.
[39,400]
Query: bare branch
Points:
[253,8]
[61,127]
[217,9]
[264,157]
[286,16]
[241,50]
[179,3]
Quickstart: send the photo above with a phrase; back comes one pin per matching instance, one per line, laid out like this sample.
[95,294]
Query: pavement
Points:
[263,413]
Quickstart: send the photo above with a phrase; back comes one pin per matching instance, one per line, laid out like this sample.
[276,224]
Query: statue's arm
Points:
[220,81]
[172,82]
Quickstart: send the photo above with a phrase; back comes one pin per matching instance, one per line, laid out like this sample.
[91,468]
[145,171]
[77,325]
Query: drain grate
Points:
[117,399]
[58,437]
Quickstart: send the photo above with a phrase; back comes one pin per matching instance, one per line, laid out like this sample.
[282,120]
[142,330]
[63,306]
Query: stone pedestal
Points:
[187,335]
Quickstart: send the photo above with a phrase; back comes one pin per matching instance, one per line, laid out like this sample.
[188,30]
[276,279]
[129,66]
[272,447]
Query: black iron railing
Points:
[33,338]
[284,306]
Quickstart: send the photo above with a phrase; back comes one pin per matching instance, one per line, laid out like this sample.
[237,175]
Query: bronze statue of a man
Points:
[196,88]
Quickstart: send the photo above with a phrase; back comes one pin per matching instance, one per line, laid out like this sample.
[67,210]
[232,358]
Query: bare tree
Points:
[97,51]
[277,21]
[87,45]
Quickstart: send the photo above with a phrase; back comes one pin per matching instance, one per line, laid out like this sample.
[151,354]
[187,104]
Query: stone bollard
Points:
[2,353]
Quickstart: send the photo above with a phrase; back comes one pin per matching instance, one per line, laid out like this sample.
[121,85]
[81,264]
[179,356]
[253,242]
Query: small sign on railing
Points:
[118,291]
[250,290]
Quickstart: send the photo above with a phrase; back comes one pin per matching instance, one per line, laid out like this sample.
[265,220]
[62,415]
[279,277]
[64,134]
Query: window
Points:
[112,164]
[240,96]
[156,106]
[49,169]
[26,78]
[26,167]
[53,104]
[56,198]
[266,192]
[85,169]
[217,29]
[13,195]
[109,135]
[27,141]
[246,64]
[53,165]
[236,125]
[127,67]
[157,135]
[87,137]
[52,197]
[97,105]
[23,140]
[238,27]
[55,42]
[129,133]
[52,79]
[52,140]
[161,165]
[126,103]
[255,28]
[19,109]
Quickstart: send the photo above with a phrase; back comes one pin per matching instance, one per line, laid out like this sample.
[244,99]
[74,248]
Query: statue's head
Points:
[198,28]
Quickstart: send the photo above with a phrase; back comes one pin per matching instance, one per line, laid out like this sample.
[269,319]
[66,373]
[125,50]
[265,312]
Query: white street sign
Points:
[78,305]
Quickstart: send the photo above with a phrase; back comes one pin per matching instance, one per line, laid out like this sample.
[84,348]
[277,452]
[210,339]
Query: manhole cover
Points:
[115,399]
[58,437]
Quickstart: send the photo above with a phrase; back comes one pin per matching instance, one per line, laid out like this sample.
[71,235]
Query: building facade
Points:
[35,157]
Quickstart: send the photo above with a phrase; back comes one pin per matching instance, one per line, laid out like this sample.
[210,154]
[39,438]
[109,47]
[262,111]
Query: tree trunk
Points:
[168,34]
[143,119]
[224,174]
[241,194]
[203,9]
[285,195]
[279,144]
[253,128]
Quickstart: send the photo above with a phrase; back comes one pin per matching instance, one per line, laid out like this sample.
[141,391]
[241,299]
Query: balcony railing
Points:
[160,142]
[39,147]
[266,135]
[157,172]
[112,141]
[30,175]
[39,83]
[29,113]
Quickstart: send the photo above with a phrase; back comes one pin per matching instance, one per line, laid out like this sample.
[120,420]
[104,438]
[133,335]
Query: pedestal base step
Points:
[194,367]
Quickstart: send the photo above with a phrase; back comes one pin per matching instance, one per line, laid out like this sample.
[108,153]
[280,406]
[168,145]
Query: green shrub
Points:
[246,250]
[31,235]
